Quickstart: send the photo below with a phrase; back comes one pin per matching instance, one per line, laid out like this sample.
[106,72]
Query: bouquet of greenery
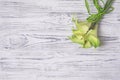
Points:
[85,32]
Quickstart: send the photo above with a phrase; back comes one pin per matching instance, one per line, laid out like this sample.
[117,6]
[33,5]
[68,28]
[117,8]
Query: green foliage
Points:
[101,10]
[85,32]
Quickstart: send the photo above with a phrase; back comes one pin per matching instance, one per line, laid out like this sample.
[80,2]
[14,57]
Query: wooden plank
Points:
[34,43]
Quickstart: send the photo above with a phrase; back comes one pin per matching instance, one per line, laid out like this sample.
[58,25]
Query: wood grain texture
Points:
[34,43]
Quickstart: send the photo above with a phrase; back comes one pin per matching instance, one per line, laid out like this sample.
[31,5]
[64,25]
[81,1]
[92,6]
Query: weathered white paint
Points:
[34,43]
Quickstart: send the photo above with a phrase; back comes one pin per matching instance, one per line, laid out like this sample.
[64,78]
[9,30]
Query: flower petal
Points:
[87,45]
[77,39]
[94,40]
[76,31]
[94,31]
[81,26]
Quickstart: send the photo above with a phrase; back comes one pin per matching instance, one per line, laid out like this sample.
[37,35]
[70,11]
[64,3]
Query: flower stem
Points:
[95,18]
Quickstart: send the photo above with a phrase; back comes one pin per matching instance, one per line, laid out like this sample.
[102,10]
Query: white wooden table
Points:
[34,43]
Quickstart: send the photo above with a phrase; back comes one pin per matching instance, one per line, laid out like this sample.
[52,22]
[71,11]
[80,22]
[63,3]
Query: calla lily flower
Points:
[85,32]
[83,36]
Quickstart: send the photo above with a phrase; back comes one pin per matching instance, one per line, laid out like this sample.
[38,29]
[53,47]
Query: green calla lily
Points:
[85,32]
[83,36]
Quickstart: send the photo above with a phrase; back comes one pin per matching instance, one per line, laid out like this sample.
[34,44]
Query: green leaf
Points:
[110,10]
[97,5]
[87,6]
